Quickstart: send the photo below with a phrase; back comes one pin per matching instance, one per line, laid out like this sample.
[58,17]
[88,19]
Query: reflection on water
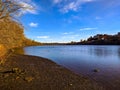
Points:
[103,51]
[119,52]
[83,59]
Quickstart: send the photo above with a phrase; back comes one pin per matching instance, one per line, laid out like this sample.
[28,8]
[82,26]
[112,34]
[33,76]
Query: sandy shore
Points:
[23,72]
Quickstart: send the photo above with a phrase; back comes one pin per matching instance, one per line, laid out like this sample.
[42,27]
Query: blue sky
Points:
[71,20]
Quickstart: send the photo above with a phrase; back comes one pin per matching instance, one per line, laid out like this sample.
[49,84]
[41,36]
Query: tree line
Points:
[100,39]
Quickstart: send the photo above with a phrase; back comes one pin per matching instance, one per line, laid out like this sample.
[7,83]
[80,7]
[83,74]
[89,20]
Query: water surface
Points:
[83,59]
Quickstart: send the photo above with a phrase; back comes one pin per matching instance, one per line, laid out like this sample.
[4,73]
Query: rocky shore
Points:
[23,72]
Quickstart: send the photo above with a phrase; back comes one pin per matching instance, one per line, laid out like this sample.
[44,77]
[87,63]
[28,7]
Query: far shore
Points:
[23,72]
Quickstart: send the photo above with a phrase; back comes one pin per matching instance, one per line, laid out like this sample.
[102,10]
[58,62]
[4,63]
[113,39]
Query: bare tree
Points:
[9,8]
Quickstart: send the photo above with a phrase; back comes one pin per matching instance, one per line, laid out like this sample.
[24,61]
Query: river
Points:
[84,59]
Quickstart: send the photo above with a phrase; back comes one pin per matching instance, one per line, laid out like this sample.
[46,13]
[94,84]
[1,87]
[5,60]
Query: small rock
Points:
[16,70]
[96,70]
[28,79]
[71,84]
[17,77]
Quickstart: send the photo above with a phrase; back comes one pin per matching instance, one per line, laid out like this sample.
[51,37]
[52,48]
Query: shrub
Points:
[2,50]
[11,34]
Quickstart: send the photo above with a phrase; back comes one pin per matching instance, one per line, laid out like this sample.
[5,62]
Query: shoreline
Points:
[25,72]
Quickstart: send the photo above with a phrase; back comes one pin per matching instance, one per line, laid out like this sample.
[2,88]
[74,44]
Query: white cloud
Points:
[33,24]
[98,18]
[67,33]
[43,37]
[84,29]
[56,1]
[70,5]
[70,36]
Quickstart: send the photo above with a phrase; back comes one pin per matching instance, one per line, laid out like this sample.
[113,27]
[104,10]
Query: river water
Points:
[83,59]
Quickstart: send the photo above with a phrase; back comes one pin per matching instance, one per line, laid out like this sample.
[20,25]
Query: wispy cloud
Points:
[33,24]
[56,1]
[110,3]
[84,29]
[70,5]
[73,6]
[98,18]
[70,36]
[43,37]
[67,33]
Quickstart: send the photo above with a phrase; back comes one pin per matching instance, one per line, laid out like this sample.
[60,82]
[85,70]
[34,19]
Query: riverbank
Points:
[23,72]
